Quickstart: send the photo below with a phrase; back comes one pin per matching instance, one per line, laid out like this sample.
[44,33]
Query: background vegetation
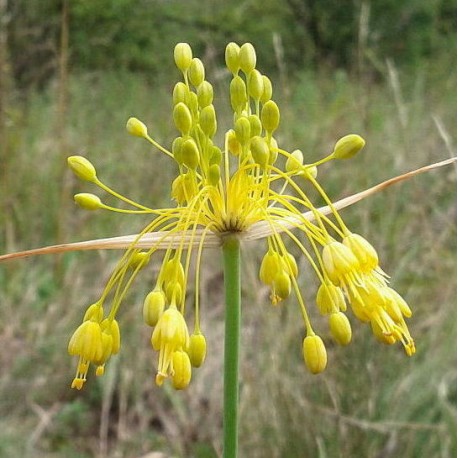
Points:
[71,73]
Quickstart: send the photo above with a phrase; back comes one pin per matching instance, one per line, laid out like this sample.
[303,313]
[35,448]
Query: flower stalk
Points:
[231,255]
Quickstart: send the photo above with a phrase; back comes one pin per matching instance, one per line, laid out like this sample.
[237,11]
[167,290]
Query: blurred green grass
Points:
[372,401]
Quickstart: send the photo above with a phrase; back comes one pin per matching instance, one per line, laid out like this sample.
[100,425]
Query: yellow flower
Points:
[169,336]
[251,187]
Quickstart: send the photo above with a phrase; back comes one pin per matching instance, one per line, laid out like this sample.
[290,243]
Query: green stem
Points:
[231,254]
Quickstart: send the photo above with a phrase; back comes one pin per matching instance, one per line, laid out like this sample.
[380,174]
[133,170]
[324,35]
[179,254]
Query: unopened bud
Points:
[196,72]
[255,84]
[139,260]
[290,264]
[237,90]
[214,174]
[295,161]
[314,352]
[135,127]
[270,116]
[183,56]
[340,328]
[82,168]
[267,89]
[207,119]
[282,285]
[330,299]
[270,266]
[197,349]
[232,56]
[182,117]
[94,312]
[181,370]
[216,156]
[233,144]
[242,130]
[259,151]
[176,150]
[190,153]
[205,94]
[153,307]
[255,125]
[310,171]
[247,58]
[348,146]
[87,201]
[180,93]
[273,151]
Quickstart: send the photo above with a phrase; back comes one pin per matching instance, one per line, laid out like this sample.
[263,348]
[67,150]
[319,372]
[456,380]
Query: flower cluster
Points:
[228,190]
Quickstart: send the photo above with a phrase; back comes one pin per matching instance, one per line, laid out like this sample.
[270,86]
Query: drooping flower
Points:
[247,182]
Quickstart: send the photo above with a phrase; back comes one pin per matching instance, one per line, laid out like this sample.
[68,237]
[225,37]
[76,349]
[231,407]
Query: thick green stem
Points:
[231,253]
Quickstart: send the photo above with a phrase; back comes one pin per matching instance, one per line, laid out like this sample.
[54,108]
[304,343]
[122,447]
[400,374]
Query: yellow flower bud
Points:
[94,312]
[267,89]
[181,370]
[82,168]
[232,57]
[233,144]
[314,352]
[255,85]
[273,151]
[183,118]
[247,58]
[174,272]
[153,307]
[183,56]
[139,260]
[207,119]
[290,264]
[330,299]
[110,343]
[348,146]
[173,291]
[87,201]
[190,153]
[242,130]
[193,104]
[237,90]
[216,156]
[205,94]
[197,349]
[214,174]
[180,93]
[113,329]
[295,161]
[259,151]
[271,265]
[196,72]
[310,171]
[270,116]
[340,328]
[184,188]
[255,125]
[176,150]
[135,127]
[281,286]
